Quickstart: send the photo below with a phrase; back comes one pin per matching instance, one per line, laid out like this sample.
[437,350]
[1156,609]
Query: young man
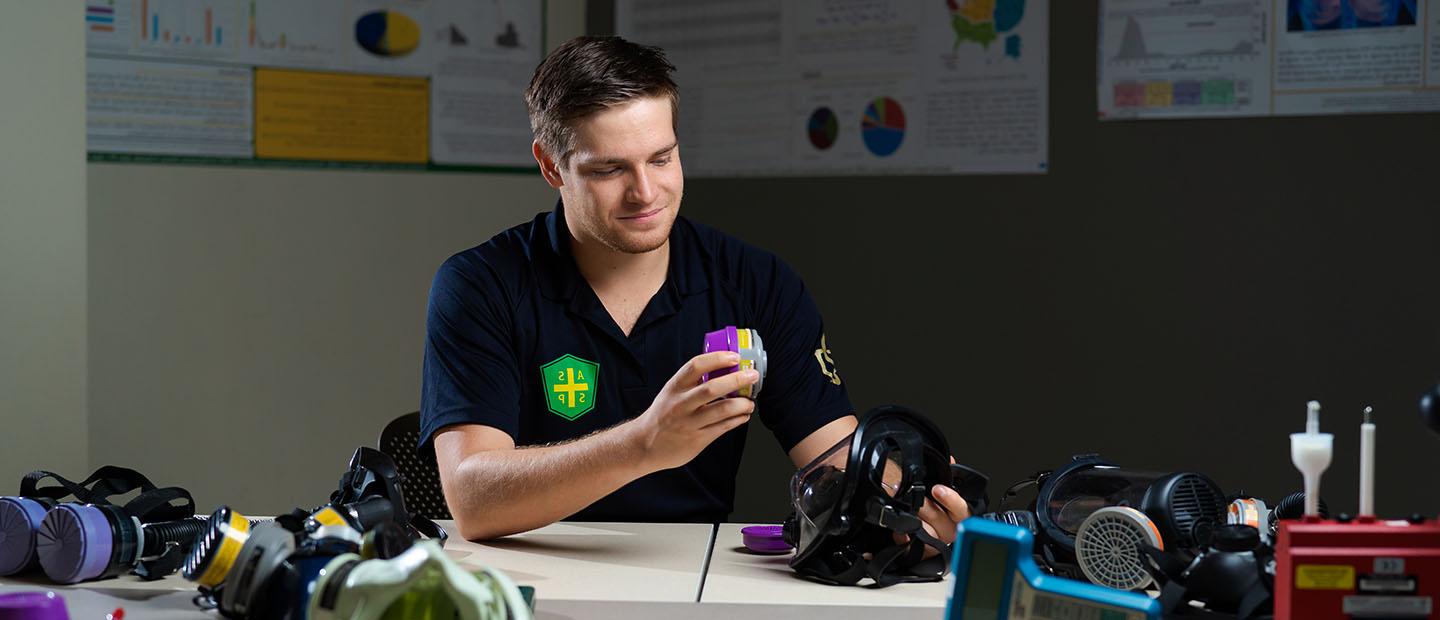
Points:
[561,375]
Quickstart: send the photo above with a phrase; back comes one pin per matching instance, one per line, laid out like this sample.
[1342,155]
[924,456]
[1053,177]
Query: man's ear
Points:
[548,168]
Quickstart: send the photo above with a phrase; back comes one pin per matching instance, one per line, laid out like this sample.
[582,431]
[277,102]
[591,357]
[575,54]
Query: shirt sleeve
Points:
[471,372]
[802,391]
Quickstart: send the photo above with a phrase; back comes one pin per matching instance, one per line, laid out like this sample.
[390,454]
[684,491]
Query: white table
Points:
[598,561]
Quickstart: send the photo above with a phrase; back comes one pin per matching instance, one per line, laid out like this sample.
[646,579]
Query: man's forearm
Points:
[501,492]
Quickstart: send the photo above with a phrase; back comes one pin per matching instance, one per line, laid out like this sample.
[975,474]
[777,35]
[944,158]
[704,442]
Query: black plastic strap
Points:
[154,506]
[163,565]
[897,564]
[430,529]
[105,482]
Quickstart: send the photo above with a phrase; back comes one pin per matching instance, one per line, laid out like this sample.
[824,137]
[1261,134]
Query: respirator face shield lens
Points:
[817,489]
[1075,495]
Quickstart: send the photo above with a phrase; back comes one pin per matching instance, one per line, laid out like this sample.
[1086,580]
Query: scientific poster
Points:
[469,56]
[1161,59]
[846,87]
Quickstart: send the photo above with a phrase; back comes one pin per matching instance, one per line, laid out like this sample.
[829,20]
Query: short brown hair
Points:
[587,74]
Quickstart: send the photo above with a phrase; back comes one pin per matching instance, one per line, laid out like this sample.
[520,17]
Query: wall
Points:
[42,243]
[251,327]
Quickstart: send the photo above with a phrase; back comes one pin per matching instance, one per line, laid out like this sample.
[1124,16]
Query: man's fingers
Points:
[721,411]
[726,425]
[951,502]
[718,388]
[937,519]
[690,373]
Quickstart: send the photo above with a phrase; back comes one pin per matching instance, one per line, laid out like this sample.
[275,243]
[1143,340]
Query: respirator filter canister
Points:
[747,343]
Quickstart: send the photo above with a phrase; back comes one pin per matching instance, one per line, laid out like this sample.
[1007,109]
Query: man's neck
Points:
[624,282]
[607,268]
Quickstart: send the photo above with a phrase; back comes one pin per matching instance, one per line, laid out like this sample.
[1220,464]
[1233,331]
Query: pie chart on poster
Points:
[823,128]
[387,33]
[883,127]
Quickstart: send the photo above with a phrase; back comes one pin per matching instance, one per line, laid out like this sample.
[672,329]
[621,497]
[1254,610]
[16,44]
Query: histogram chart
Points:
[1194,58]
[189,28]
[284,33]
[1143,31]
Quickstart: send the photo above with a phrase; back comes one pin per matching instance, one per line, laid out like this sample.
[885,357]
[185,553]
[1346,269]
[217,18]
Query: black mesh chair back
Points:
[401,441]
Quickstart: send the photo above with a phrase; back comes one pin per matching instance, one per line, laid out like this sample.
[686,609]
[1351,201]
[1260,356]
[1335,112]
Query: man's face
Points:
[1322,12]
[623,183]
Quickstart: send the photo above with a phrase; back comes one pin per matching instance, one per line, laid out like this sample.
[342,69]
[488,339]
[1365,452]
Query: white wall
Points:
[42,241]
[251,327]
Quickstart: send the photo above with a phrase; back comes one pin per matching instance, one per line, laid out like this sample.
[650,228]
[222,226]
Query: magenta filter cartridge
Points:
[747,343]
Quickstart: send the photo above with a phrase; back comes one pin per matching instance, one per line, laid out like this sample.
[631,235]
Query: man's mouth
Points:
[640,217]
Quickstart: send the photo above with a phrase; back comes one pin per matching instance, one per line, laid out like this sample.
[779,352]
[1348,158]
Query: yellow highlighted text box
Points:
[341,117]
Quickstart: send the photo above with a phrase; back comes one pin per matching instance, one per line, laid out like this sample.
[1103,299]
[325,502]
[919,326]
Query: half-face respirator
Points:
[1090,518]
[421,582]
[850,502]
[243,565]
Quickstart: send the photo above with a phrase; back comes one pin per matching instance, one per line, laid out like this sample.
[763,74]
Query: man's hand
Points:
[688,415]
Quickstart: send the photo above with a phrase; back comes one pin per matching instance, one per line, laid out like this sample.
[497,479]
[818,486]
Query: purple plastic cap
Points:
[765,539]
[727,339]
[74,543]
[32,606]
[19,520]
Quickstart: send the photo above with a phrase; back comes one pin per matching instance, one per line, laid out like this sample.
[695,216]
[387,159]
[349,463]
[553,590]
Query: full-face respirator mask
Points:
[850,502]
[1091,519]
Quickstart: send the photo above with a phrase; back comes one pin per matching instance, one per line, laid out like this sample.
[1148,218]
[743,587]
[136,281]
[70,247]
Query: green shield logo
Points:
[570,386]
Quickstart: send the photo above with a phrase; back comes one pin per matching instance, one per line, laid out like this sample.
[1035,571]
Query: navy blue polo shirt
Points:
[516,339]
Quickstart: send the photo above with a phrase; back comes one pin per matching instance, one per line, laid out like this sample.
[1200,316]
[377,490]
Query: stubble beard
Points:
[638,244]
[642,244]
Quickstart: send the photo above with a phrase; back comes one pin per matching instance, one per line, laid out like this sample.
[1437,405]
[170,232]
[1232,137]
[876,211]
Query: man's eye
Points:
[604,172]
[661,162]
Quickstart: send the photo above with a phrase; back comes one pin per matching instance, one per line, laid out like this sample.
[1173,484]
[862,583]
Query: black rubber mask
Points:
[849,503]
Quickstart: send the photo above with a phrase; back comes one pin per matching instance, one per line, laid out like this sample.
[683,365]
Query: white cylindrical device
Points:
[1367,465]
[1311,451]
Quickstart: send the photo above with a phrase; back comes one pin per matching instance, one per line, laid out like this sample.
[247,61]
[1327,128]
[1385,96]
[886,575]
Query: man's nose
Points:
[642,187]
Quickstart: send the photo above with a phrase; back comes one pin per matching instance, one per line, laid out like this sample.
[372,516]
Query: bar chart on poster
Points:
[1216,58]
[178,79]
[830,88]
